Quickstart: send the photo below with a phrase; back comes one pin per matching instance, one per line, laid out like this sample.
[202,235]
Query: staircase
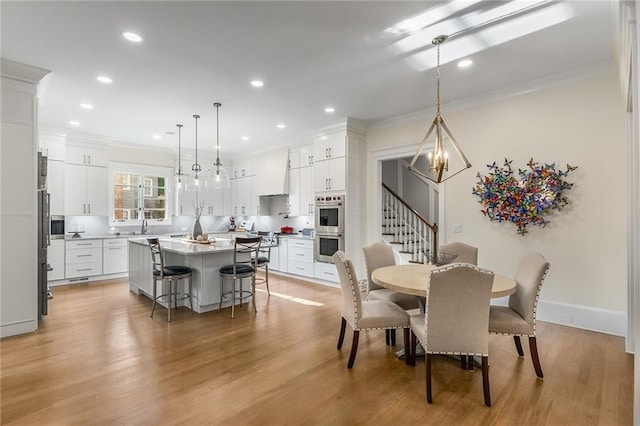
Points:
[406,230]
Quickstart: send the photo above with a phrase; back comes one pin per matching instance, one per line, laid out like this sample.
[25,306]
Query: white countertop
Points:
[179,246]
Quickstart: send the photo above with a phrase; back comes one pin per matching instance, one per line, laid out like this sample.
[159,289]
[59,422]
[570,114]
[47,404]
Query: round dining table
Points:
[412,279]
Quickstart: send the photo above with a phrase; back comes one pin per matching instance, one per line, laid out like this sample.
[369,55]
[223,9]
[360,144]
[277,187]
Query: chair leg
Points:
[266,278]
[343,326]
[463,362]
[407,347]
[233,298]
[387,337]
[516,340]
[354,349]
[175,294]
[412,349]
[221,292]
[191,294]
[392,337]
[470,362]
[427,359]
[154,292]
[169,292]
[533,347]
[485,381]
[253,293]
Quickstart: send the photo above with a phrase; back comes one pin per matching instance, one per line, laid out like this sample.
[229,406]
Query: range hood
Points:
[273,169]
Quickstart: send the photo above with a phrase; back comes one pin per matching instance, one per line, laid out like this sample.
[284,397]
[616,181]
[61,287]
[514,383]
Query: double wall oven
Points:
[329,226]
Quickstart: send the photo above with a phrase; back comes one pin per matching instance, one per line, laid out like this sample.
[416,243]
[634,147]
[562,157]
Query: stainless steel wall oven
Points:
[57,227]
[327,245]
[330,214]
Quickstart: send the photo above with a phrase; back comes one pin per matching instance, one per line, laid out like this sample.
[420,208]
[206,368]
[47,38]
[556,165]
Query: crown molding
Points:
[22,72]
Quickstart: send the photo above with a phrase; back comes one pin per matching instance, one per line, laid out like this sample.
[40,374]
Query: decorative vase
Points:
[197,229]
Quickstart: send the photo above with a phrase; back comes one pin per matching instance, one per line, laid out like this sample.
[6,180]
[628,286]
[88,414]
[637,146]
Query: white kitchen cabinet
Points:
[326,271]
[274,258]
[83,258]
[294,192]
[241,197]
[328,147]
[53,147]
[283,255]
[55,186]
[300,257]
[240,170]
[85,189]
[307,156]
[330,175]
[114,256]
[55,258]
[86,155]
[301,191]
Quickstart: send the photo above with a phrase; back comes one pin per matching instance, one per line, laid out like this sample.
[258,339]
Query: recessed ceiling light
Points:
[245,138]
[280,126]
[74,123]
[329,109]
[156,137]
[465,63]
[132,36]
[257,83]
[104,79]
[86,106]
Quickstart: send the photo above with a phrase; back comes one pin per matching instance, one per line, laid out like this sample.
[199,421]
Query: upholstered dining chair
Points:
[456,318]
[519,318]
[378,255]
[465,253]
[365,314]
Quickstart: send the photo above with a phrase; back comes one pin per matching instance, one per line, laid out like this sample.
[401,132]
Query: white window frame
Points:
[142,171]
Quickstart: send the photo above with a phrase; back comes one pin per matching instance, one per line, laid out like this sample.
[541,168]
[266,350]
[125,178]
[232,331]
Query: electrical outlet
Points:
[457,228]
[565,318]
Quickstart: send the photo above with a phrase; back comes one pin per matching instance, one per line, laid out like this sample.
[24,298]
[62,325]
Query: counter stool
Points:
[264,257]
[169,275]
[245,257]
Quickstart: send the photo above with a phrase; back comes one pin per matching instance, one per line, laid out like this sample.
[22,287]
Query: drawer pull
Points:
[84,244]
[84,255]
[83,269]
[115,248]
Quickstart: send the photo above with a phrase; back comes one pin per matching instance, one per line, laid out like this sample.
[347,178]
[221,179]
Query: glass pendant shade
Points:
[219,175]
[196,169]
[445,159]
[181,178]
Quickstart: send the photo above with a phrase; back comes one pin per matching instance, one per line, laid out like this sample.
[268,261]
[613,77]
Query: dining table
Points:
[412,279]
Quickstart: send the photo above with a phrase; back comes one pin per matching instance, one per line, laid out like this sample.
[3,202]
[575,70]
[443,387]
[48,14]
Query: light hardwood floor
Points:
[99,359]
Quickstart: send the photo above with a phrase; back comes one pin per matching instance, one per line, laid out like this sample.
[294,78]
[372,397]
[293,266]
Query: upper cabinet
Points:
[301,178]
[330,165]
[328,147]
[85,181]
[87,156]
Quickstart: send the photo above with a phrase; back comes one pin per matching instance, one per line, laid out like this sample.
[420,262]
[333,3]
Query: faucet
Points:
[144,226]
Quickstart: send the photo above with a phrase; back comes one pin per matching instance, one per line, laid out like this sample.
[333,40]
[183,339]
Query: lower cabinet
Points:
[300,257]
[326,271]
[83,258]
[114,256]
[55,258]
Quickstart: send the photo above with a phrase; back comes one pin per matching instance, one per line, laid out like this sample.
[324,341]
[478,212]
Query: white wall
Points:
[582,123]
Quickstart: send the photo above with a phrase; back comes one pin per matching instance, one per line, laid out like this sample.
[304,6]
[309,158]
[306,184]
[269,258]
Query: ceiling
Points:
[369,60]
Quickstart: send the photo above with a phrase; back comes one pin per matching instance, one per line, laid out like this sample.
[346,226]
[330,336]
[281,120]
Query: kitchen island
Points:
[204,259]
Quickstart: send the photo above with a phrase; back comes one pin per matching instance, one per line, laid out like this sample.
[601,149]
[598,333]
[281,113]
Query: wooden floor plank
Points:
[99,359]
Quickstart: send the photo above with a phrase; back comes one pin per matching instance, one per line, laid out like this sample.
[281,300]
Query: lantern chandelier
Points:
[438,161]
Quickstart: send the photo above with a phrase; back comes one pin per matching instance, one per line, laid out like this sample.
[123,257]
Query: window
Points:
[138,195]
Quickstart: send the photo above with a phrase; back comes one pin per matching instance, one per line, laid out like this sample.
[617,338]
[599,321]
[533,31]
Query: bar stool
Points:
[168,275]
[264,257]
[245,258]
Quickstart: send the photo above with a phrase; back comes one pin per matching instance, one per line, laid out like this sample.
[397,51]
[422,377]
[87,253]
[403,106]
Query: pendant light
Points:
[181,183]
[196,166]
[440,166]
[221,178]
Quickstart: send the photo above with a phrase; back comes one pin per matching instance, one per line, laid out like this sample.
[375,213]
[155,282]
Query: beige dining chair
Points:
[365,314]
[465,253]
[378,255]
[456,318]
[519,318]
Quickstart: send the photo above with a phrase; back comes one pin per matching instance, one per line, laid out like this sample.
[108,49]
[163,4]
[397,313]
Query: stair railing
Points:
[418,237]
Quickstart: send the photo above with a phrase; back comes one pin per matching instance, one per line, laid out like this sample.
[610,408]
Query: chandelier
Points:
[439,165]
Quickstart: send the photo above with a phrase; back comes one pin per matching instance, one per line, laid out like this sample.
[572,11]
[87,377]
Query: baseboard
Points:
[18,328]
[579,316]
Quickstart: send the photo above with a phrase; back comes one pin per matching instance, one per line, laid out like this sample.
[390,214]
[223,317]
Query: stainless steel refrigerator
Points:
[44,239]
